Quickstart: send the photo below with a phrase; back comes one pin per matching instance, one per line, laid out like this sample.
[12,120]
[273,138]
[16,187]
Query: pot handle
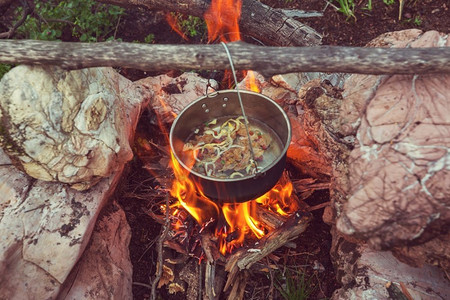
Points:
[242,108]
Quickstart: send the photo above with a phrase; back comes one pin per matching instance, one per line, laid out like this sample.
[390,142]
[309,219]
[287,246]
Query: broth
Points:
[219,148]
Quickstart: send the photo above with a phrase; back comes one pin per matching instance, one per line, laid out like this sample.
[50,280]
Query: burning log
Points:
[243,259]
[266,60]
[263,23]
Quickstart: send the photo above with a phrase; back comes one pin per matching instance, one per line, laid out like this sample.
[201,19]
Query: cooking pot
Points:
[226,103]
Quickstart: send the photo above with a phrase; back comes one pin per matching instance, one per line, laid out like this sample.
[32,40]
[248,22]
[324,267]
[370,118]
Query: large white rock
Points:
[55,130]
[67,126]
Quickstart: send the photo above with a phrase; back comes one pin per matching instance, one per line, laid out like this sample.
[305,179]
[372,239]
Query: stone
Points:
[45,225]
[67,126]
[170,95]
[398,191]
[364,274]
[44,229]
[104,271]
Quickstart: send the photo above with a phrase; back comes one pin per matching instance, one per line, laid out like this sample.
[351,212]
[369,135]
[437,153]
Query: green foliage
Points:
[294,285]
[347,7]
[86,20]
[150,38]
[191,26]
[417,21]
[4,68]
[369,5]
[388,2]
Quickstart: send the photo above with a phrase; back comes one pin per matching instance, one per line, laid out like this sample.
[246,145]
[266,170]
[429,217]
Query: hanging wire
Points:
[242,107]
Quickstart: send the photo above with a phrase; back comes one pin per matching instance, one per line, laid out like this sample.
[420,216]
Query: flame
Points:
[171,19]
[278,199]
[222,20]
[241,219]
[250,83]
[183,188]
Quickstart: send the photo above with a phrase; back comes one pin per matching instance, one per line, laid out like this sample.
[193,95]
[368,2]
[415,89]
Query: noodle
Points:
[222,150]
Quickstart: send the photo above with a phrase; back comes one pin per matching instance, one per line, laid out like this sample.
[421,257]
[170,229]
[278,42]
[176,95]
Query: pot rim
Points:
[247,177]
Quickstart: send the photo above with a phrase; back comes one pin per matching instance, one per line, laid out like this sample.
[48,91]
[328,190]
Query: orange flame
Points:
[241,218]
[251,84]
[183,188]
[222,20]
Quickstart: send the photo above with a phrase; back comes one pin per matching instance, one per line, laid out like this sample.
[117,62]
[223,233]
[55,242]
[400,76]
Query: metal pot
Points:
[226,103]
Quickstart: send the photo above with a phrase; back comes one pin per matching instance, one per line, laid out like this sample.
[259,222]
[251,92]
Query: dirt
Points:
[339,30]
[310,252]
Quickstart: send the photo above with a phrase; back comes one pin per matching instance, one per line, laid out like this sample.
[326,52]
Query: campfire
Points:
[229,237]
[226,235]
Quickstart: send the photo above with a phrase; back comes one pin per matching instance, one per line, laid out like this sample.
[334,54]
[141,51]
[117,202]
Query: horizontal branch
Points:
[266,60]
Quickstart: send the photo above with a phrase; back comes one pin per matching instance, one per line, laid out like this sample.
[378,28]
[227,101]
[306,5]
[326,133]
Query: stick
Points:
[266,60]
[164,231]
[245,258]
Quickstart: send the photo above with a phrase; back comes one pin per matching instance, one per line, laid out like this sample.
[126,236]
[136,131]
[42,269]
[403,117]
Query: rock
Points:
[104,271]
[398,171]
[67,126]
[46,226]
[364,274]
[169,95]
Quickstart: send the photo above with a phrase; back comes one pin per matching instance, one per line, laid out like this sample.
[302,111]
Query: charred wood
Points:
[266,60]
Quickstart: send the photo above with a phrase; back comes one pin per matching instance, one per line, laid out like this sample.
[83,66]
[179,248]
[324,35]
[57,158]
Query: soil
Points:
[310,253]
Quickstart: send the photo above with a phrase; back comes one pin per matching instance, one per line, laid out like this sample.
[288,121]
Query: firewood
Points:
[237,292]
[269,218]
[266,60]
[244,258]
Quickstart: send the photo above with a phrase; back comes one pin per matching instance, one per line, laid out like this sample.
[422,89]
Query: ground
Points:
[138,190]
[311,252]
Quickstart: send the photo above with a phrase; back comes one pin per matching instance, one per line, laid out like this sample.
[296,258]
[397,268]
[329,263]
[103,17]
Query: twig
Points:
[270,296]
[26,11]
[266,60]
[162,149]
[319,206]
[164,232]
[200,281]
[117,27]
[142,284]
[295,13]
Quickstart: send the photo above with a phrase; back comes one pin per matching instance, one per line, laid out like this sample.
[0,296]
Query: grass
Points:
[294,284]
[347,7]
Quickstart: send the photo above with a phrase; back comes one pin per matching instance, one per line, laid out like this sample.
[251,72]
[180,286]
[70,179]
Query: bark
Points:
[266,60]
[263,23]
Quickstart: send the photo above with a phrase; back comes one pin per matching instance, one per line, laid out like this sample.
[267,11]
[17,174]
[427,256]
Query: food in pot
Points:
[221,147]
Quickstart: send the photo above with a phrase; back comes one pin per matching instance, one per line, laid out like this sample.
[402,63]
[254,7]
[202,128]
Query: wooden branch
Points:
[266,60]
[263,23]
[243,259]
